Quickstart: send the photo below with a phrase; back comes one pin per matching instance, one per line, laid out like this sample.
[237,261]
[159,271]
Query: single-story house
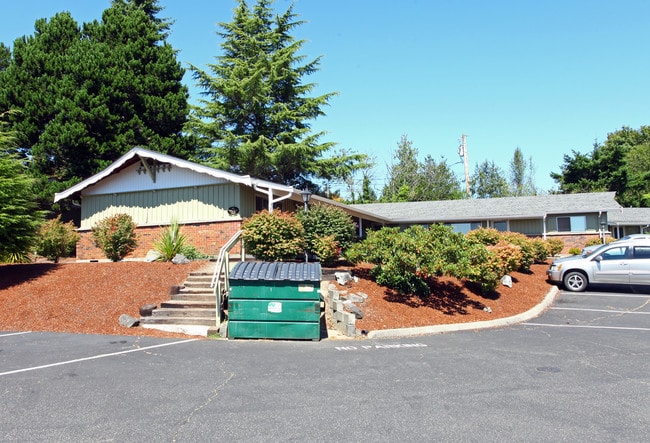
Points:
[211,204]
[155,189]
[626,221]
[574,218]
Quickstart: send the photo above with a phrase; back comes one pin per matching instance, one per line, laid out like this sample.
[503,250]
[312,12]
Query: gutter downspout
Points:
[544,227]
[269,193]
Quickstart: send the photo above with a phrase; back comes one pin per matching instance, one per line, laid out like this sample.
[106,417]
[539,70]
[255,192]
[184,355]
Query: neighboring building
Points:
[574,218]
[628,221]
[155,188]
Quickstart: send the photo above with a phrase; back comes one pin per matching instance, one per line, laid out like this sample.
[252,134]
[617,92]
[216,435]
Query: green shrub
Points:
[541,248]
[598,241]
[15,257]
[326,249]
[192,253]
[575,251]
[555,246]
[115,235]
[409,260]
[171,242]
[56,239]
[273,236]
[485,236]
[324,221]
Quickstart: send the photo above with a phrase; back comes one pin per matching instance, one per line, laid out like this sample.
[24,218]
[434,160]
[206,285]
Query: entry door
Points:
[614,266]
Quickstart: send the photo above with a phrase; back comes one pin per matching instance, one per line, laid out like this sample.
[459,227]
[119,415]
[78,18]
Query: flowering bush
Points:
[273,236]
[115,235]
[56,239]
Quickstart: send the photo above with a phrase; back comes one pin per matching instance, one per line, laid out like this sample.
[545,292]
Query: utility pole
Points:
[462,151]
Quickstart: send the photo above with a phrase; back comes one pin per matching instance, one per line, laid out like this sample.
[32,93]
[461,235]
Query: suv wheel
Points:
[575,281]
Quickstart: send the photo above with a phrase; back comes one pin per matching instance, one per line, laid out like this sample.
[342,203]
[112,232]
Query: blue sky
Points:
[547,77]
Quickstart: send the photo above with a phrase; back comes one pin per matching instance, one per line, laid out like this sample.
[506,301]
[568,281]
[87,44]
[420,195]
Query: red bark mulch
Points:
[88,298]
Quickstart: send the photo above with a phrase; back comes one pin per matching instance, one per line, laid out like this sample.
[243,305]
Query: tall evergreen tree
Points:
[488,181]
[439,181]
[620,164]
[86,96]
[19,217]
[410,180]
[521,175]
[404,178]
[255,118]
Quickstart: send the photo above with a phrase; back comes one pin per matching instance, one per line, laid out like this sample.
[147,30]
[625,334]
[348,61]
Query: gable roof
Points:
[137,154]
[629,217]
[537,206]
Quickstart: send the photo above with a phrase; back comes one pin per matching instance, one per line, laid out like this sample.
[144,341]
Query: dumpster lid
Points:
[257,270]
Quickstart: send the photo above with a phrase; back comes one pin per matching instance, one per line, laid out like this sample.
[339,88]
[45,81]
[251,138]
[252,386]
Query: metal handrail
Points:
[223,264]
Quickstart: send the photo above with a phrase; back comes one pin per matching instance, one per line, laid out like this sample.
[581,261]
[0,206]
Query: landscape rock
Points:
[146,310]
[180,259]
[152,256]
[343,278]
[354,309]
[506,280]
[128,321]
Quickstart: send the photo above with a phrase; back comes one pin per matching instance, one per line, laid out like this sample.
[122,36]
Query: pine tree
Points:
[256,116]
[488,181]
[19,217]
[87,95]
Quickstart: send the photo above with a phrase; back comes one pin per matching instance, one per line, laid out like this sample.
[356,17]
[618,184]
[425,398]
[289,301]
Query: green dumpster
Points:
[274,300]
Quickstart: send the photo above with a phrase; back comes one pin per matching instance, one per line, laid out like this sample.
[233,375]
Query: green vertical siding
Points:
[191,204]
[528,227]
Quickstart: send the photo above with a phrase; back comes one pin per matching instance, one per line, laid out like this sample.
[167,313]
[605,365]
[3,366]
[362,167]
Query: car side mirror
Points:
[598,258]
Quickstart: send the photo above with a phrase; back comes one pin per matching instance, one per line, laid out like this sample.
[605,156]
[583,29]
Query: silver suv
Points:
[624,262]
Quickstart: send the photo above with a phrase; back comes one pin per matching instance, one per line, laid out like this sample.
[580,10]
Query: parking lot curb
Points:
[441,329]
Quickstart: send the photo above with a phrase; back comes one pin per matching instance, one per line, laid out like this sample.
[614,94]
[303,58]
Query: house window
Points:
[464,228]
[500,226]
[577,223]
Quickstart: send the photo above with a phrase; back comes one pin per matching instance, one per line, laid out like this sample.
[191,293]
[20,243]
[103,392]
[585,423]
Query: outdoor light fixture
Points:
[306,196]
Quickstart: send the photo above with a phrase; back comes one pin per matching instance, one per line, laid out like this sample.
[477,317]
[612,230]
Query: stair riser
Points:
[194,297]
[207,313]
[178,321]
[182,304]
[204,285]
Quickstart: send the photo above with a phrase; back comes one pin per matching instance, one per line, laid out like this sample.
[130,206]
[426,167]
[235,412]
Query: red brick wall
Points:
[207,238]
[574,240]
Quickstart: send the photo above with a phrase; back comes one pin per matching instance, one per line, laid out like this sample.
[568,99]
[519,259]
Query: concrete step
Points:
[188,312]
[195,291]
[197,284]
[188,304]
[204,321]
[207,297]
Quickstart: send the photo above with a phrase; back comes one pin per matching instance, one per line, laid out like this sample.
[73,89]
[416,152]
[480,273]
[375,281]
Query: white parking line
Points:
[15,333]
[600,294]
[94,357]
[600,310]
[583,326]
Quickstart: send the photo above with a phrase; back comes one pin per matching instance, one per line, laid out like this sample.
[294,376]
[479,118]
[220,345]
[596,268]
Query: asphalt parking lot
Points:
[578,372]
[604,308]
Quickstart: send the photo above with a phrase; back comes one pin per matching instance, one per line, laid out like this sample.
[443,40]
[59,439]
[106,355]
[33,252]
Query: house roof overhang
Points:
[138,154]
